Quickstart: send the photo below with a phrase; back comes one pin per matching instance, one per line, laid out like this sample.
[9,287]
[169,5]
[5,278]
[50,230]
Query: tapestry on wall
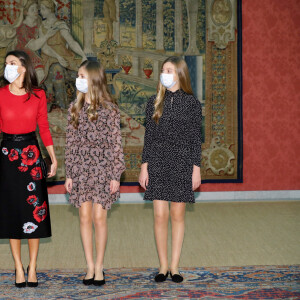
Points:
[132,38]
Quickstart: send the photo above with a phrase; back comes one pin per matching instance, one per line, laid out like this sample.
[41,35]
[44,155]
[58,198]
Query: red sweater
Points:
[18,116]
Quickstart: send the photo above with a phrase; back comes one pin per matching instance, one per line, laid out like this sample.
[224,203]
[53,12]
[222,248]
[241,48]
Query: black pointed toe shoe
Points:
[176,277]
[160,277]
[100,282]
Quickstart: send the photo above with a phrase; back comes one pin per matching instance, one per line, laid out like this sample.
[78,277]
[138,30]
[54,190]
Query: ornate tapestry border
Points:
[223,149]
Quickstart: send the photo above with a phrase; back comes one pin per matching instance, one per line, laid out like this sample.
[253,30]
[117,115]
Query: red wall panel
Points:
[271,97]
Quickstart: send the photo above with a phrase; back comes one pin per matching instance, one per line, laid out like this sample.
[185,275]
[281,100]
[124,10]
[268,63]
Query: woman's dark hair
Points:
[30,82]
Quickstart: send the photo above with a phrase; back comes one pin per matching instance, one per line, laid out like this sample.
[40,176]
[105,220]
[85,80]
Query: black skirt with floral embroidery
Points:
[24,207]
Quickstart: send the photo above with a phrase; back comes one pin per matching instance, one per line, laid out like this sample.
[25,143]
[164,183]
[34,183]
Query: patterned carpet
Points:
[255,282]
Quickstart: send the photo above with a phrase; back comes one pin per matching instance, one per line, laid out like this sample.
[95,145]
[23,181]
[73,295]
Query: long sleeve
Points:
[118,166]
[42,121]
[196,127]
[150,127]
[71,145]
[0,121]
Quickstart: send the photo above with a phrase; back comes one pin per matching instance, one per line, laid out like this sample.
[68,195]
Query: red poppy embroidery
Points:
[23,168]
[32,199]
[13,155]
[36,173]
[40,212]
[30,155]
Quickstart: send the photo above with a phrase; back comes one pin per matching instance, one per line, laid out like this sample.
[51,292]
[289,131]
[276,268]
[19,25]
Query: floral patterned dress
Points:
[94,156]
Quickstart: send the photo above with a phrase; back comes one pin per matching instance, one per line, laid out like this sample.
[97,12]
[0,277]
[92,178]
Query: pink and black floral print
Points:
[94,156]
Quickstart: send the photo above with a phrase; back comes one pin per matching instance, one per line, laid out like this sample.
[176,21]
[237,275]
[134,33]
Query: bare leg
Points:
[15,246]
[99,218]
[177,219]
[33,245]
[161,219]
[86,230]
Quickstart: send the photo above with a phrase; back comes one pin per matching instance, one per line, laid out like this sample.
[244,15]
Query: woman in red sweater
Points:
[24,208]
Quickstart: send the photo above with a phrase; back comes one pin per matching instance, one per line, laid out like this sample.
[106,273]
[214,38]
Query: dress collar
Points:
[170,93]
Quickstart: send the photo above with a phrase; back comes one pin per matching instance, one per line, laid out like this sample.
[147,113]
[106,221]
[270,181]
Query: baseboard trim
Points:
[236,196]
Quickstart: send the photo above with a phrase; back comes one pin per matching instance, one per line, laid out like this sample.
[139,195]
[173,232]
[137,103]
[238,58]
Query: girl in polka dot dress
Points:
[170,170]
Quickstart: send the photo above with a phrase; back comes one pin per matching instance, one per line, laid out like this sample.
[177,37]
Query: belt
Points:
[19,137]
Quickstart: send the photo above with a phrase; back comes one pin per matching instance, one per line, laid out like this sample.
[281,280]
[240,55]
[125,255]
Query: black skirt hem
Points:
[25,238]
[152,199]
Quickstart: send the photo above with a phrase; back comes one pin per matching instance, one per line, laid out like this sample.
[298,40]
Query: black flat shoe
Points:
[20,284]
[176,277]
[88,281]
[160,277]
[100,282]
[31,283]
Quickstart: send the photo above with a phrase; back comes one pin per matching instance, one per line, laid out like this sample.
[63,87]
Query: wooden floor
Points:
[217,234]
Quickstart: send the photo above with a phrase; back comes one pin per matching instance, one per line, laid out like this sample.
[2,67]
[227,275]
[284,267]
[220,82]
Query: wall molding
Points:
[237,196]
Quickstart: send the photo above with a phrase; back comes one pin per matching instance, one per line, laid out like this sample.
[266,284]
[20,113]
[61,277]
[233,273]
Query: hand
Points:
[68,185]
[53,169]
[114,186]
[196,177]
[144,176]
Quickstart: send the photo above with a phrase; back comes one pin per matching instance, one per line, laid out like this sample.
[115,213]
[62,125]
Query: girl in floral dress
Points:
[94,161]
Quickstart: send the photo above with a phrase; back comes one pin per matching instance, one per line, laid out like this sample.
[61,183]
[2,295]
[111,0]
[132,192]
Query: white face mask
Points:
[82,85]
[167,80]
[11,73]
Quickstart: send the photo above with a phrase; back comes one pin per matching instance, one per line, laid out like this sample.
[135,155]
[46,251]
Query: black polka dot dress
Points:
[172,147]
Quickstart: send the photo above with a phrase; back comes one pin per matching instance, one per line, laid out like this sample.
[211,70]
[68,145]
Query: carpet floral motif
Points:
[251,282]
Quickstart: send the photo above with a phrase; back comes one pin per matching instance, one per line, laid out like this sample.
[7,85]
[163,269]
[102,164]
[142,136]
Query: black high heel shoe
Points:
[20,284]
[100,282]
[88,281]
[30,283]
[160,277]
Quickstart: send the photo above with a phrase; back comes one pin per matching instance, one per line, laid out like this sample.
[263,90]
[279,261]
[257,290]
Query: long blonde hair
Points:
[97,93]
[182,72]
